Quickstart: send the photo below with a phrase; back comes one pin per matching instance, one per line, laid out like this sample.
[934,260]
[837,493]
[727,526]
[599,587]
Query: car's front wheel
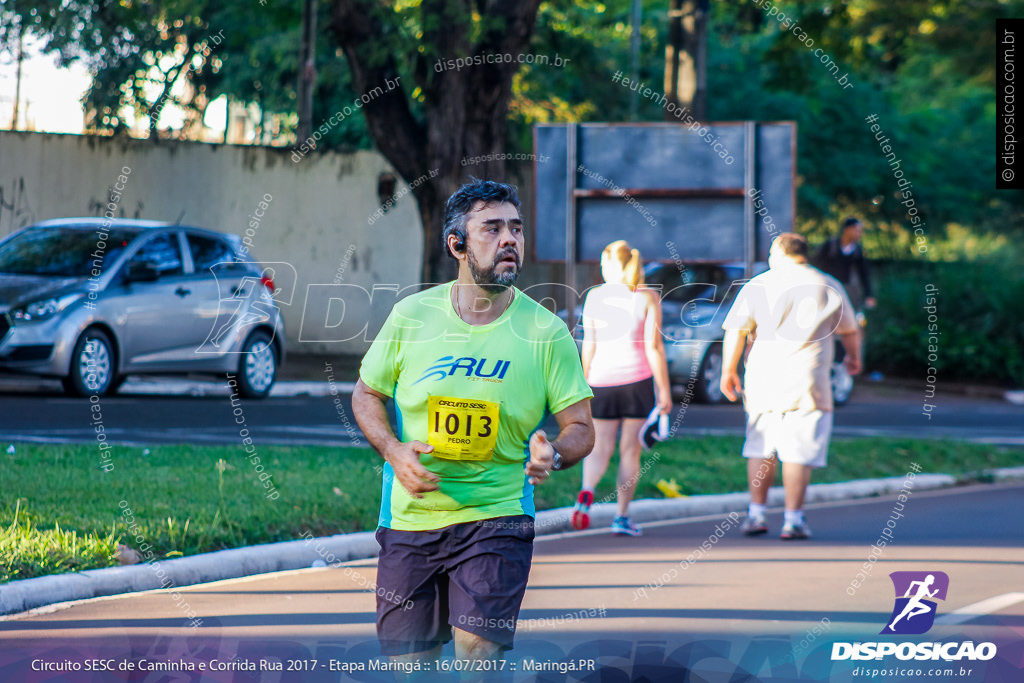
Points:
[709,377]
[842,384]
[257,368]
[93,369]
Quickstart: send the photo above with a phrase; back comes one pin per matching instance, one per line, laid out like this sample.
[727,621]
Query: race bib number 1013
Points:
[462,429]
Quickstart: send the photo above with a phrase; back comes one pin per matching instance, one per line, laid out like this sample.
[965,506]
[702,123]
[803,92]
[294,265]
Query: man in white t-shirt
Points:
[790,313]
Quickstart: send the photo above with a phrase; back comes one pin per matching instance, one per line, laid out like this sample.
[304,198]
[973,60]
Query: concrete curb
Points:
[1006,474]
[161,386]
[19,596]
[28,594]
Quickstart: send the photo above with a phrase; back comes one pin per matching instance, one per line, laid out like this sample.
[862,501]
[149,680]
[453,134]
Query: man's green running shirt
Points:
[475,393]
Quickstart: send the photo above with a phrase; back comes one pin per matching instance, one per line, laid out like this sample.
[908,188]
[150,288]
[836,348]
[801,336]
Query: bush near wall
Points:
[978,313]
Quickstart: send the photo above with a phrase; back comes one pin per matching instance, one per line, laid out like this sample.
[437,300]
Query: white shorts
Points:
[799,436]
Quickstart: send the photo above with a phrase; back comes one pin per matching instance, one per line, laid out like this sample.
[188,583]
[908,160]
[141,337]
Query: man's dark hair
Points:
[850,220]
[462,201]
[793,244]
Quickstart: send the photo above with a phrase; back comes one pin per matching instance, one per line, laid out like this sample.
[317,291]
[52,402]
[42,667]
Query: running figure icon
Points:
[916,595]
[915,605]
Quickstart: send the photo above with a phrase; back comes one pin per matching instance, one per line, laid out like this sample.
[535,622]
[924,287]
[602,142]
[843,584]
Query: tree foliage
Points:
[924,67]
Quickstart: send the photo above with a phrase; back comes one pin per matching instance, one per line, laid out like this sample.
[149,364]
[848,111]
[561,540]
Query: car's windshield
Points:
[689,282]
[62,252]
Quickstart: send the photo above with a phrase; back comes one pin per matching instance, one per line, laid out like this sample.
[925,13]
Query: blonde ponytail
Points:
[629,260]
[633,272]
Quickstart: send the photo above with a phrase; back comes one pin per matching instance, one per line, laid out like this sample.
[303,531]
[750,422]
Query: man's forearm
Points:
[851,344]
[372,418]
[732,349]
[574,442]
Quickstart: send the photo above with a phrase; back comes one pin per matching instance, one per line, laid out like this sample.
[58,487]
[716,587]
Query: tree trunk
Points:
[307,71]
[436,266]
[465,108]
[17,78]
[685,57]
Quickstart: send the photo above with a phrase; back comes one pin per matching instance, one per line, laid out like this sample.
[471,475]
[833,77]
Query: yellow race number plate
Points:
[462,429]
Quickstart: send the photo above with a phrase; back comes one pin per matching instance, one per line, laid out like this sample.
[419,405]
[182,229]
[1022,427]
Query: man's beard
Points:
[490,280]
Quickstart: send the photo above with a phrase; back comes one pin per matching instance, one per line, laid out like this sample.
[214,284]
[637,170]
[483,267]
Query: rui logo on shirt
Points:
[446,366]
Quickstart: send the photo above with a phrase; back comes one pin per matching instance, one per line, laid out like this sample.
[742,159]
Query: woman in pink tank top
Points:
[623,359]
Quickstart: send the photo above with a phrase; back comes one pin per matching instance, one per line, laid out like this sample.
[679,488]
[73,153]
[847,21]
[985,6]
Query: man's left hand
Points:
[852,365]
[731,384]
[542,455]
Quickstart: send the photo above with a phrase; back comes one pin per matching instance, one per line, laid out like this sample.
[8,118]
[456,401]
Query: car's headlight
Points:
[44,309]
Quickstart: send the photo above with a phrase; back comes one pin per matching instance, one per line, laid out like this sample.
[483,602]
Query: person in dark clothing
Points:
[843,258]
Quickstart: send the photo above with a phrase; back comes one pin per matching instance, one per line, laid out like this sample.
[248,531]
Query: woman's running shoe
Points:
[623,527]
[581,510]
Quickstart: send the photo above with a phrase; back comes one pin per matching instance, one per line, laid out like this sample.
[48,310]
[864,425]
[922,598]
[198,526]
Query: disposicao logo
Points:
[445,366]
[913,614]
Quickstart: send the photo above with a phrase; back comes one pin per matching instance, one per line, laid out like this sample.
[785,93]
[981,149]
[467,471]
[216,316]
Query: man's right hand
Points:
[731,384]
[852,364]
[405,460]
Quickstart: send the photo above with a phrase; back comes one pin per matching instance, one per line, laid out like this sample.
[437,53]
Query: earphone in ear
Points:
[456,247]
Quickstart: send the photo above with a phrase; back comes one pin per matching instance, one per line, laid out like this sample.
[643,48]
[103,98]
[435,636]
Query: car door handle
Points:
[238,291]
[182,292]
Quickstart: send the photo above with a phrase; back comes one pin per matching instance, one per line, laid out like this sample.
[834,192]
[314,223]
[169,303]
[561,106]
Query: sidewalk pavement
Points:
[28,594]
[345,367]
[307,374]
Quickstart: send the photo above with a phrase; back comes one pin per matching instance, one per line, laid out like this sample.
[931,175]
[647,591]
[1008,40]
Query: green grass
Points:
[60,512]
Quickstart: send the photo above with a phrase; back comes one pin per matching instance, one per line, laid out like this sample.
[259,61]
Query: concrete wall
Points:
[317,222]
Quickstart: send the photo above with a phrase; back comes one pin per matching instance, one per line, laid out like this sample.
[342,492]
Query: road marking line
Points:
[979,609]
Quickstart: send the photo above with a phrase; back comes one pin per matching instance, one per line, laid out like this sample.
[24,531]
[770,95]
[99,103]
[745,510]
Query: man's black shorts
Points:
[471,576]
[623,400]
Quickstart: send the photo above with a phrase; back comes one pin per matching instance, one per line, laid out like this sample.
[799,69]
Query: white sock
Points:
[794,517]
[756,510]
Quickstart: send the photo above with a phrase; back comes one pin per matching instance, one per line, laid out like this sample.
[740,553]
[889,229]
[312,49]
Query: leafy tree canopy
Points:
[924,67]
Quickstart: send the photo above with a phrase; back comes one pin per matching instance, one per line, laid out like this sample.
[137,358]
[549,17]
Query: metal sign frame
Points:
[754,167]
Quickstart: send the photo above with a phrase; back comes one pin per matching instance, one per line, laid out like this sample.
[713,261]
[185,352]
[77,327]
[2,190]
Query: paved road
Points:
[641,609]
[153,418]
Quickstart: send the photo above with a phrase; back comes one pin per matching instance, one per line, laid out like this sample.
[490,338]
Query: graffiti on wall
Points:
[17,210]
[97,207]
[15,207]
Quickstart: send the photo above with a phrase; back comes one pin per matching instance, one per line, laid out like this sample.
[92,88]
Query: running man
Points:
[914,606]
[791,312]
[473,366]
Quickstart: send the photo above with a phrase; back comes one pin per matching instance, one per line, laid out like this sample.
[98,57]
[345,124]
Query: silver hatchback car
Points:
[92,300]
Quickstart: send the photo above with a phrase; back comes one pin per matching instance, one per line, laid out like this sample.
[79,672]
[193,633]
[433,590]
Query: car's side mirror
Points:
[141,271]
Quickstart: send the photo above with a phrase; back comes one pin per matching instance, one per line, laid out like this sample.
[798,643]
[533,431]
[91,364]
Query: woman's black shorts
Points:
[623,400]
